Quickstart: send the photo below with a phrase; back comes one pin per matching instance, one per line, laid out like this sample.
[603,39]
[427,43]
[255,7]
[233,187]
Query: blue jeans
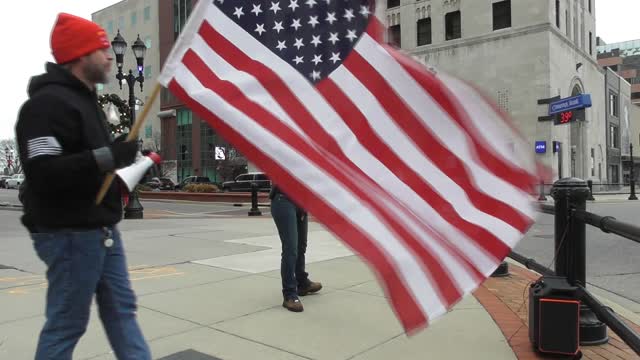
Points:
[79,265]
[292,223]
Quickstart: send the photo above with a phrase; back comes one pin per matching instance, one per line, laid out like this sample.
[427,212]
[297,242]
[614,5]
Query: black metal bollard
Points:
[502,270]
[632,180]
[542,197]
[134,209]
[569,194]
[254,201]
[590,185]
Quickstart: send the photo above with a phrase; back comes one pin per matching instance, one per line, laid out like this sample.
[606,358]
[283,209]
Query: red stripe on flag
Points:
[403,302]
[448,291]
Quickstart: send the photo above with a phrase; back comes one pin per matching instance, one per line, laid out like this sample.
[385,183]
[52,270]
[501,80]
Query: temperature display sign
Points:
[569,116]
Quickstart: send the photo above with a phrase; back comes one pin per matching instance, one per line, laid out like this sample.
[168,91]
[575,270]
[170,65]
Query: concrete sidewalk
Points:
[210,288]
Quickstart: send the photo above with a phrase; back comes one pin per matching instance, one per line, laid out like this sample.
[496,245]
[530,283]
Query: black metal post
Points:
[626,333]
[254,201]
[134,209]
[590,185]
[571,194]
[502,270]
[542,197]
[632,176]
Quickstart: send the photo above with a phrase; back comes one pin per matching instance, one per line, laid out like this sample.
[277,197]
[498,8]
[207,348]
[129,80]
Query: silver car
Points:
[14,181]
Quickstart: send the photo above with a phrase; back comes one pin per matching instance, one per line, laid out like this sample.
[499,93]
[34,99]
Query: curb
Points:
[12,207]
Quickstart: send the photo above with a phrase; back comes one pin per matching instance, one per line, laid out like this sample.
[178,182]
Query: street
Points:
[611,260]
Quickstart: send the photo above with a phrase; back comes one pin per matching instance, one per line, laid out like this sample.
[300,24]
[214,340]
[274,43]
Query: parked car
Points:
[3,178]
[243,182]
[163,183]
[14,181]
[193,180]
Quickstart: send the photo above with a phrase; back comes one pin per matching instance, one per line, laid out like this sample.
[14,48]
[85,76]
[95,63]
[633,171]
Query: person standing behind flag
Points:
[292,224]
[66,150]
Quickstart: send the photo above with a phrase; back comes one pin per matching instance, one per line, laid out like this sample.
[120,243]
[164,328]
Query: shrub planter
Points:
[204,197]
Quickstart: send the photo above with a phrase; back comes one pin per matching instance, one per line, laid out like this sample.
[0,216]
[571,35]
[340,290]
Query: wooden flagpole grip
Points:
[133,134]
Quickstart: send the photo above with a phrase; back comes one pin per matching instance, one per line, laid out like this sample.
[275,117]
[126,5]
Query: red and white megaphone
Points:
[132,174]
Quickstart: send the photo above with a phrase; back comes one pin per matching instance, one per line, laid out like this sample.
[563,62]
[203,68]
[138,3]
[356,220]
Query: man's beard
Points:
[96,74]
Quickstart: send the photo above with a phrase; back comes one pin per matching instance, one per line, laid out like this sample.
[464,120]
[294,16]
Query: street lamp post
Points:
[632,179]
[9,156]
[134,209]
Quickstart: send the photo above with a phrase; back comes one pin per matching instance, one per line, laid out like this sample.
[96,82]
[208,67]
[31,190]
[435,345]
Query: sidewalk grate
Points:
[189,355]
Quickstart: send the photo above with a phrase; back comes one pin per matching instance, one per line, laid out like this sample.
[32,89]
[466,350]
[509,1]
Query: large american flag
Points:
[416,171]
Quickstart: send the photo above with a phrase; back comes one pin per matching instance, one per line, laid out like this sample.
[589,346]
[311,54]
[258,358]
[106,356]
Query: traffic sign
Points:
[220,153]
[572,103]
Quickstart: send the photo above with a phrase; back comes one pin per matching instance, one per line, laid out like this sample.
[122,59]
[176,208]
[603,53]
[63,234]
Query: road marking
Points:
[22,286]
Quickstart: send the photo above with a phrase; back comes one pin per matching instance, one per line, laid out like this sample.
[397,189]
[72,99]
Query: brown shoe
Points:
[293,304]
[312,287]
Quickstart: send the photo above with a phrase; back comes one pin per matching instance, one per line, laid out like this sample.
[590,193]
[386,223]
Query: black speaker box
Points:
[554,316]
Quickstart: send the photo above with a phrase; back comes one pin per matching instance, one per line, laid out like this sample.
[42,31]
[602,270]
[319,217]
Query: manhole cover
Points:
[189,355]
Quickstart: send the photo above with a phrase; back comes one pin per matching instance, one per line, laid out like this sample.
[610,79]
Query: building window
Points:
[583,43]
[134,18]
[589,1]
[613,104]
[392,3]
[181,12]
[147,42]
[148,131]
[558,14]
[394,35]
[147,72]
[208,143]
[183,143]
[424,31]
[501,14]
[590,43]
[453,26]
[99,87]
[110,27]
[615,177]
[147,13]
[614,141]
[120,22]
[593,162]
[567,23]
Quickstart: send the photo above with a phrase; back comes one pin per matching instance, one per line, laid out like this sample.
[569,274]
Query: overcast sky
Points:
[26,29]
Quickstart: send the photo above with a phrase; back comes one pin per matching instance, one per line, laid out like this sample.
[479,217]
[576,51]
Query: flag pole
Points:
[133,134]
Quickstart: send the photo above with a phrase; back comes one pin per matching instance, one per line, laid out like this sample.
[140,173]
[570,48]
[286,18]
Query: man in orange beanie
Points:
[66,150]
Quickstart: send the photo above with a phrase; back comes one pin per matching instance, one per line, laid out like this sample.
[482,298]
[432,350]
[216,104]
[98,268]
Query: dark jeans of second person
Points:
[292,223]
[79,265]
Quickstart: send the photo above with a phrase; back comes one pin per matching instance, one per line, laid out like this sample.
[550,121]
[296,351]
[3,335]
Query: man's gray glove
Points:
[119,154]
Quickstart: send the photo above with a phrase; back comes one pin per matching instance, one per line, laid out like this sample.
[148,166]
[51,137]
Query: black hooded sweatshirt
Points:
[57,129]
